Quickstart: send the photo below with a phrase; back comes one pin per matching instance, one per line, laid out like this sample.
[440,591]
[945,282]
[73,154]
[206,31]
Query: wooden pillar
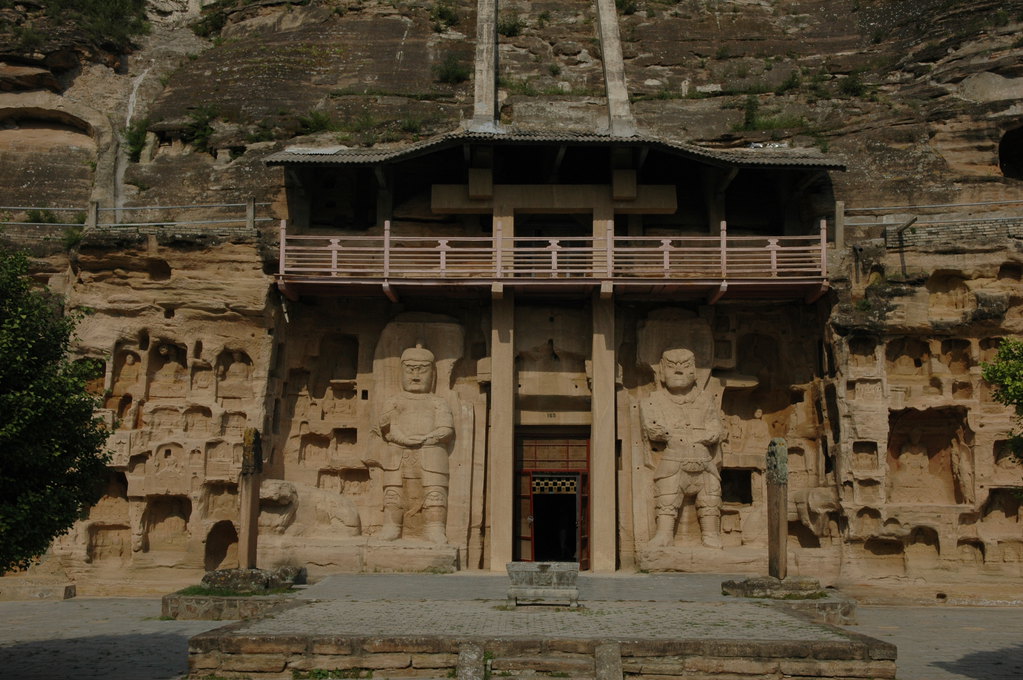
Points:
[603,458]
[248,498]
[777,508]
[839,225]
[501,456]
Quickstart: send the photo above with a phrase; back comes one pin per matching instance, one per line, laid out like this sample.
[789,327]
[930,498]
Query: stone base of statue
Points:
[326,555]
[798,593]
[701,559]
[409,555]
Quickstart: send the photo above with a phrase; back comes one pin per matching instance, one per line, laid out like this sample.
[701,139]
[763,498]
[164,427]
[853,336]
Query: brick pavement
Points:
[123,638]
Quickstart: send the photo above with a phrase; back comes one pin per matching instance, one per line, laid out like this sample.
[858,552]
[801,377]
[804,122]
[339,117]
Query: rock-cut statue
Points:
[683,423]
[418,428]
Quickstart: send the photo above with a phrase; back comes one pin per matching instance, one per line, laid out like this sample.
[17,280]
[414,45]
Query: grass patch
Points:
[452,70]
[316,121]
[203,591]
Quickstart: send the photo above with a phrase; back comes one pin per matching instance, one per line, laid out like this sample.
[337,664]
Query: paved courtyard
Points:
[124,638]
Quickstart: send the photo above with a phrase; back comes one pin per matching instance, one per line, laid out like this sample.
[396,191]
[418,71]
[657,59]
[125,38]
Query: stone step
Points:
[567,665]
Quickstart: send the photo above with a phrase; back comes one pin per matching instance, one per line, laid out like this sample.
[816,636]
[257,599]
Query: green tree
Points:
[1005,374]
[52,462]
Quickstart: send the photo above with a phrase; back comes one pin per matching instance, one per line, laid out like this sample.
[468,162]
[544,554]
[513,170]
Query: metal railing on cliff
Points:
[936,224]
[32,224]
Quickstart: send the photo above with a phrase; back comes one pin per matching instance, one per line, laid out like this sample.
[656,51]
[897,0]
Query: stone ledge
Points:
[220,608]
[268,656]
[29,589]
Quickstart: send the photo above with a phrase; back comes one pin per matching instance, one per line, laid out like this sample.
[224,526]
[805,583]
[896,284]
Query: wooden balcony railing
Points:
[454,259]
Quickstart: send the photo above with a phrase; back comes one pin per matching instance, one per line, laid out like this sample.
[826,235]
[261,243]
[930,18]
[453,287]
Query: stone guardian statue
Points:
[683,422]
[418,428]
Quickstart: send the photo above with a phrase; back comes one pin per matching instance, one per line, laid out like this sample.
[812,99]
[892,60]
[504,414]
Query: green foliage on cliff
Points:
[51,459]
[109,24]
[1005,373]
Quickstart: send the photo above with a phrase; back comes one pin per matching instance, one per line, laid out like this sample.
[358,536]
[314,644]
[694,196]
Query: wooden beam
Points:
[651,199]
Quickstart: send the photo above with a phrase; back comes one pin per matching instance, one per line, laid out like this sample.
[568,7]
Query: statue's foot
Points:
[659,541]
[434,533]
[389,532]
[712,541]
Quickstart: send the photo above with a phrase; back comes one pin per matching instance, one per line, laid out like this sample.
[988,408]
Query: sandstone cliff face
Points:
[920,98]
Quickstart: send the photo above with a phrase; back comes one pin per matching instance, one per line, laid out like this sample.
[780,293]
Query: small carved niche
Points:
[1010,271]
[1003,454]
[868,521]
[234,368]
[221,459]
[221,550]
[922,548]
[1000,512]
[908,356]
[970,551]
[314,449]
[962,390]
[165,521]
[955,354]
[864,455]
[198,420]
[989,348]
[887,556]
[112,507]
[232,423]
[737,486]
[109,543]
[862,351]
[948,293]
[127,375]
[219,500]
[345,437]
[168,374]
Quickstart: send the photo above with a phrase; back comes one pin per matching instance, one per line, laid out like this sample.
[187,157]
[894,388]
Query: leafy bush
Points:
[135,138]
[627,6]
[451,70]
[109,24]
[443,16]
[42,216]
[200,127]
[316,121]
[852,85]
[510,26]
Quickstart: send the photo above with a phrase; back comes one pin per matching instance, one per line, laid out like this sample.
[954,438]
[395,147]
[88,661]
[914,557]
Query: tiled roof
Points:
[767,157]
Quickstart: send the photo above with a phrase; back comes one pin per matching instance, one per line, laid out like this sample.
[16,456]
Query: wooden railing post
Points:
[498,247]
[610,245]
[724,249]
[666,256]
[387,249]
[335,245]
[554,245]
[839,225]
[92,217]
[772,247]
[283,249]
[443,247]
[824,248]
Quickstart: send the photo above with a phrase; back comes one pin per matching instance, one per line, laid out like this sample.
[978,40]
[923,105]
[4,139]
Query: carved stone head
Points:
[417,370]
[678,370]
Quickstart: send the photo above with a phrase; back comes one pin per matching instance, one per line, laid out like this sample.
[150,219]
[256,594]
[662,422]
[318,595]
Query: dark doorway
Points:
[552,499]
[555,530]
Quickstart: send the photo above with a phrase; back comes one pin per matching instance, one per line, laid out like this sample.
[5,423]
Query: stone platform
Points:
[606,639]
